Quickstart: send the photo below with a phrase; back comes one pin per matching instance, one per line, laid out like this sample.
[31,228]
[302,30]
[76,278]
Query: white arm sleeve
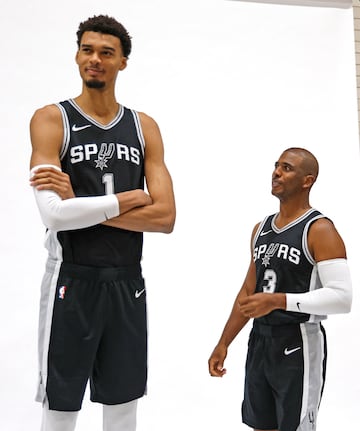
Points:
[75,213]
[335,295]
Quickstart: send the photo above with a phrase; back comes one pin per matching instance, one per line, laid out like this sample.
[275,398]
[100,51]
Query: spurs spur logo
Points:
[269,253]
[105,154]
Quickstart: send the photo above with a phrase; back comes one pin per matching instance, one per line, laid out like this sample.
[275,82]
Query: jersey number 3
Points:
[270,280]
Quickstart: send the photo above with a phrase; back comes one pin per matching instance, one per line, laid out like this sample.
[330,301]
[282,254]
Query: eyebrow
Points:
[109,48]
[277,163]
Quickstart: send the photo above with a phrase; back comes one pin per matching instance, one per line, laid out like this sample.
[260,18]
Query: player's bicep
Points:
[46,133]
[158,179]
[324,241]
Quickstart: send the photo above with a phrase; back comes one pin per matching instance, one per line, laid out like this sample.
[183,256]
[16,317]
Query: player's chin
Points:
[275,192]
[94,83]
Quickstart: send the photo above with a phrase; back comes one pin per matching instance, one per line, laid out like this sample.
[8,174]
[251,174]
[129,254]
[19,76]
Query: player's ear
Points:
[123,63]
[76,57]
[309,181]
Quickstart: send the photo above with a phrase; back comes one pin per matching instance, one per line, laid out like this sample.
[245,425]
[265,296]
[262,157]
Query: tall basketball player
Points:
[90,159]
[298,274]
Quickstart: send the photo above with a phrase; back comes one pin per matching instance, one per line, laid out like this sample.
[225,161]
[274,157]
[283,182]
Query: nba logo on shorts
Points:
[62,291]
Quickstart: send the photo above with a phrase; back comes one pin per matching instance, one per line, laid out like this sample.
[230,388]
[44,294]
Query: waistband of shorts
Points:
[95,273]
[282,330]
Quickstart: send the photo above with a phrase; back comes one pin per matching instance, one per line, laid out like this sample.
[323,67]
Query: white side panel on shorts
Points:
[313,351]
[48,291]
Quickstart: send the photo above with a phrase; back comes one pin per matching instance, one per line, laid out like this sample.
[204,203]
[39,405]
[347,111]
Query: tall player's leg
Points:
[54,420]
[120,417]
[119,373]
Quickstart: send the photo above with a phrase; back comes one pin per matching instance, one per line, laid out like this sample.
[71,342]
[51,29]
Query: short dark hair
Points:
[310,164]
[106,25]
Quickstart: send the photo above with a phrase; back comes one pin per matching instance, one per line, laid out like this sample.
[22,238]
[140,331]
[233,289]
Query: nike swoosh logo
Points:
[139,293]
[265,233]
[298,305]
[290,351]
[76,128]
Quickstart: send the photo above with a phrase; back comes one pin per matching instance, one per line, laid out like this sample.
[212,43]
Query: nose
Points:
[276,172]
[95,58]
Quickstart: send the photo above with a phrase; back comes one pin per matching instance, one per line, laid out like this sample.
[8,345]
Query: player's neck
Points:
[100,105]
[290,211]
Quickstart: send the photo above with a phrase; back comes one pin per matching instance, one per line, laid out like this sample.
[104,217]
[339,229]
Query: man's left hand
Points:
[260,304]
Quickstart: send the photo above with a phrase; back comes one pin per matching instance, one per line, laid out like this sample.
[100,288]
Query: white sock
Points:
[54,420]
[120,417]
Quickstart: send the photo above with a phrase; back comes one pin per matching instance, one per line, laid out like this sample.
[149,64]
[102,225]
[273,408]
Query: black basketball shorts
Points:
[93,326]
[285,375]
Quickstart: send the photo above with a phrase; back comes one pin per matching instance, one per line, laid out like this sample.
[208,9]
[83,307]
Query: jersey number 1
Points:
[108,181]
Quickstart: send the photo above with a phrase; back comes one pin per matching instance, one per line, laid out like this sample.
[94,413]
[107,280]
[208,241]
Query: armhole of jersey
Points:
[305,247]
[259,229]
[66,127]
[139,130]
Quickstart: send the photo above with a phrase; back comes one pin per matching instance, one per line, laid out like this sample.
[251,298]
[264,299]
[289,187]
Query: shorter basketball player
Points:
[298,274]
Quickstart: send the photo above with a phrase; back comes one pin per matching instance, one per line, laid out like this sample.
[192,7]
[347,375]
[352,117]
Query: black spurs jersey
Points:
[101,159]
[284,264]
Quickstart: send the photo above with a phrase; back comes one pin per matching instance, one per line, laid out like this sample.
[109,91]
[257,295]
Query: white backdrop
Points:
[231,85]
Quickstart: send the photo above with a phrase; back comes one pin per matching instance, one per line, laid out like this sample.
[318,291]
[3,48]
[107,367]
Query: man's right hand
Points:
[47,178]
[216,361]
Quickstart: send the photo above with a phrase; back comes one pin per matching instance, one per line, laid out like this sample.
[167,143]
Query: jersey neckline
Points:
[108,126]
[292,223]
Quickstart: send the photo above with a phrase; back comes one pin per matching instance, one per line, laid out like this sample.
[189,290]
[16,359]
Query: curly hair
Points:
[106,25]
